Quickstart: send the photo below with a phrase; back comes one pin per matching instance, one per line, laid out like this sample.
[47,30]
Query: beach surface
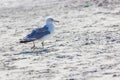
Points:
[84,46]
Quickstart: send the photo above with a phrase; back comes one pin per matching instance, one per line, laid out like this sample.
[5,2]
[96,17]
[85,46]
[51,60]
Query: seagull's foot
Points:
[43,44]
[42,47]
[33,47]
[37,48]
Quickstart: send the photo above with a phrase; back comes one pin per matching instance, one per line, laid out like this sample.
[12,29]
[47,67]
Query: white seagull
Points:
[40,33]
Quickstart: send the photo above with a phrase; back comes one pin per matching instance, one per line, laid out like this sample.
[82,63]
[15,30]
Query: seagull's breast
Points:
[51,28]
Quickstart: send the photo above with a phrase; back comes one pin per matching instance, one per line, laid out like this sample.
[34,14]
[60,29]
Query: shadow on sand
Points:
[43,51]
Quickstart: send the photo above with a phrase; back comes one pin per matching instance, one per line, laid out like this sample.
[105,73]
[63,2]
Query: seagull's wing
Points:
[37,34]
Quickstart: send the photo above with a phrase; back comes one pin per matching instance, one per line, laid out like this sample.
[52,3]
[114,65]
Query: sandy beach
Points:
[84,46]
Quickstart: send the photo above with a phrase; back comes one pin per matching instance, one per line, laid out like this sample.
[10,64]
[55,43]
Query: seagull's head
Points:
[50,20]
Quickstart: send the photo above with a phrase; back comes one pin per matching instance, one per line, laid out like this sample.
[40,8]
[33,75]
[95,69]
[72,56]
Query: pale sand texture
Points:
[85,46]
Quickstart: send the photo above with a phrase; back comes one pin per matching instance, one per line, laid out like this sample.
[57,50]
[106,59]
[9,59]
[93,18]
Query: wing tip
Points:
[22,41]
[25,41]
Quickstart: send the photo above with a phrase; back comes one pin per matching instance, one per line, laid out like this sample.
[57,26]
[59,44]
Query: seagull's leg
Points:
[43,44]
[33,45]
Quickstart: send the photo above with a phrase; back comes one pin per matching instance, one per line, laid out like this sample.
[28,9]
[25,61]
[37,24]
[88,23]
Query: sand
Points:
[85,45]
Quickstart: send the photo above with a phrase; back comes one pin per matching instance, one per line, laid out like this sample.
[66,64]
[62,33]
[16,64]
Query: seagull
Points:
[40,33]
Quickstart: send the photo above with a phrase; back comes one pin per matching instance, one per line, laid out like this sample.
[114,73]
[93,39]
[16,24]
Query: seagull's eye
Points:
[52,20]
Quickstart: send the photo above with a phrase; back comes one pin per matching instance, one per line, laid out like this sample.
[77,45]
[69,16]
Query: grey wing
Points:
[37,34]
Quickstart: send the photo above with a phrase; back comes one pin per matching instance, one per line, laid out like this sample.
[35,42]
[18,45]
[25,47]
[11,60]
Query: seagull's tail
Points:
[24,41]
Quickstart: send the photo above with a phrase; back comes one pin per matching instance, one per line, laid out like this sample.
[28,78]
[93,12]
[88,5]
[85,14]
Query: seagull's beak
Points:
[56,21]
